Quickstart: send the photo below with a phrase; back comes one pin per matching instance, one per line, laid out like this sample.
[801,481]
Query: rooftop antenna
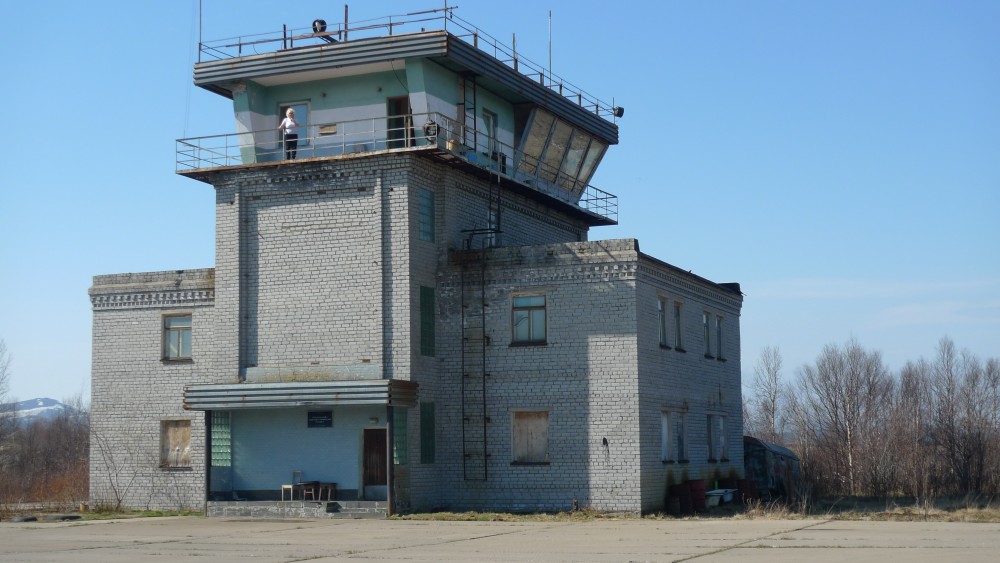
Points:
[550,47]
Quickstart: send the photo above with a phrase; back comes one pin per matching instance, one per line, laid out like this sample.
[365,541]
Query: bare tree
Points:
[7,414]
[966,419]
[842,401]
[768,396]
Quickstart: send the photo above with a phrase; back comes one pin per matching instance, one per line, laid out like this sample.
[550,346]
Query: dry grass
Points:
[899,510]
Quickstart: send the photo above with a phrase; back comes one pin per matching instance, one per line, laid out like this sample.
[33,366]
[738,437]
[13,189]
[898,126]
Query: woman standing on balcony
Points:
[287,127]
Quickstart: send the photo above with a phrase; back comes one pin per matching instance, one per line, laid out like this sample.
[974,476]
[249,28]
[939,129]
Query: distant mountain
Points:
[36,409]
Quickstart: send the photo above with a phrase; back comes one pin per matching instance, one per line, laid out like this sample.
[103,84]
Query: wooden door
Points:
[375,457]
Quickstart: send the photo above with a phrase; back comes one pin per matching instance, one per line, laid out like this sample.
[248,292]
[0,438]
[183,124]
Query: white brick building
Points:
[410,307]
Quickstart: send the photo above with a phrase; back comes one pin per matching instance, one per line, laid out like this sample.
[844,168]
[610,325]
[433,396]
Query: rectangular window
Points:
[666,451]
[425,214]
[399,451]
[680,436]
[177,337]
[661,311]
[427,423]
[528,319]
[427,321]
[717,442]
[678,344]
[707,331]
[175,443]
[718,337]
[222,441]
[530,438]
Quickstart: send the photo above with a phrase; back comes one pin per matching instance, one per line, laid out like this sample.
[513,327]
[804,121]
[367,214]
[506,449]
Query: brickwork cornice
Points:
[157,299]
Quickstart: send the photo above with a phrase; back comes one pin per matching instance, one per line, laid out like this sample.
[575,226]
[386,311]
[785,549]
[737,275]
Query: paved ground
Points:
[181,538]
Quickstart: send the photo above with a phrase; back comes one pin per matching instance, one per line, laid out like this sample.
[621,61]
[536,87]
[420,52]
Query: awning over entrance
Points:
[391,392]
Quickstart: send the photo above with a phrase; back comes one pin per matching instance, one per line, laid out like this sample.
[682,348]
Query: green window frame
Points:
[177,337]
[222,441]
[528,319]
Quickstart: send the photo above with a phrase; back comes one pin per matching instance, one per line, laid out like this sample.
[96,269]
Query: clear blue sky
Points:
[841,160]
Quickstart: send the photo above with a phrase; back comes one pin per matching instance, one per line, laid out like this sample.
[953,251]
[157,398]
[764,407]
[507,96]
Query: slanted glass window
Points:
[175,443]
[427,439]
[530,440]
[529,319]
[425,214]
[177,337]
[400,455]
[426,321]
[661,311]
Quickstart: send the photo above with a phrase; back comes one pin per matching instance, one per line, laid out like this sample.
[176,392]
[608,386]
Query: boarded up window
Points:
[175,443]
[427,444]
[531,437]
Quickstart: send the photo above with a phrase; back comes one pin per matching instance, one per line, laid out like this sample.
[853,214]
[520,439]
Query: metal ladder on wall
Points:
[475,306]
[475,454]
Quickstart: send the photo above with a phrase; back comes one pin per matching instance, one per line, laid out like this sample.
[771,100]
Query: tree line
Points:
[929,430]
[46,460]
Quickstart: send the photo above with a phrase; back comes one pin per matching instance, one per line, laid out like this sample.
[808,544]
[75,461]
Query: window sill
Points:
[684,461]
[724,460]
[528,344]
[709,357]
[668,461]
[712,460]
[187,468]
[681,350]
[176,361]
[530,463]
[665,347]
[721,359]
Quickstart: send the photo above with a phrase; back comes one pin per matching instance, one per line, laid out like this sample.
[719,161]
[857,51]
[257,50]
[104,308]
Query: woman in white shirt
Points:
[287,127]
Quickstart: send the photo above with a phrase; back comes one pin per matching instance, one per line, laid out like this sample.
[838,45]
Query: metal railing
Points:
[402,132]
[413,22]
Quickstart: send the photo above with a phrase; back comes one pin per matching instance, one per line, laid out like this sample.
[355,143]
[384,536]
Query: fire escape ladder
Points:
[475,454]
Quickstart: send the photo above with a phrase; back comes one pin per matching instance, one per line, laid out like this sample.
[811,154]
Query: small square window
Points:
[177,337]
[530,441]
[528,319]
[175,443]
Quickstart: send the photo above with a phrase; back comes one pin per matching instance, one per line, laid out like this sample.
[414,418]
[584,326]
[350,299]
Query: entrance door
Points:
[375,460]
[399,124]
